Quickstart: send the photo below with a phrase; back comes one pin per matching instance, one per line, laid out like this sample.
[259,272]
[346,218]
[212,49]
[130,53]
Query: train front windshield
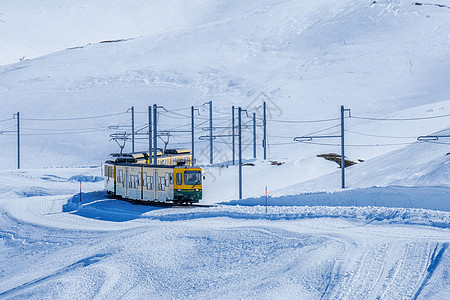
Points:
[192,177]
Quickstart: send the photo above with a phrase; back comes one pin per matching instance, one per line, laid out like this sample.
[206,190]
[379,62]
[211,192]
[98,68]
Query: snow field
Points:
[385,237]
[54,246]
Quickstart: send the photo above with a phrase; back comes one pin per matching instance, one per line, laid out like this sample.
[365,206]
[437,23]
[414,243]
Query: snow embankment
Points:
[421,164]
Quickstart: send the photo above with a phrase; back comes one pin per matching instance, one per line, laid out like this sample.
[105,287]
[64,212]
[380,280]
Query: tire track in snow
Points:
[433,264]
[384,271]
[79,264]
[406,272]
[358,280]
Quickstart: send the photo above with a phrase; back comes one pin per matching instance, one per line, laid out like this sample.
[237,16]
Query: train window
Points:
[167,181]
[171,178]
[161,184]
[139,179]
[179,179]
[145,179]
[149,183]
[192,177]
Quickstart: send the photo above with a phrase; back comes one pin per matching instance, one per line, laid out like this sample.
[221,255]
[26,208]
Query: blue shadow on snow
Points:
[97,205]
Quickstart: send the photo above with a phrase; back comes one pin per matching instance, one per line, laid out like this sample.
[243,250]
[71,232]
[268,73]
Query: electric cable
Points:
[72,119]
[300,121]
[10,127]
[401,119]
[63,133]
[6,120]
[355,145]
[382,136]
[57,129]
[325,129]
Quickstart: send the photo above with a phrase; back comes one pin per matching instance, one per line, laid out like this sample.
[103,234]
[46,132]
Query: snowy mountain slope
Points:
[30,29]
[385,237]
[308,57]
[429,166]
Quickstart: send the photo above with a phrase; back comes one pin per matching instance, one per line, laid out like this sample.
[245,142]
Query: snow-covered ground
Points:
[385,236]
[55,246]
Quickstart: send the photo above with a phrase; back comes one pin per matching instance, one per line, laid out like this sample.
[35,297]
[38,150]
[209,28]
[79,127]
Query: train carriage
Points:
[128,178]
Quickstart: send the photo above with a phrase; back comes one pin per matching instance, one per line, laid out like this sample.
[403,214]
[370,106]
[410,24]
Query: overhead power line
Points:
[357,145]
[6,120]
[7,128]
[401,119]
[382,136]
[64,130]
[73,119]
[302,121]
[65,133]
[325,129]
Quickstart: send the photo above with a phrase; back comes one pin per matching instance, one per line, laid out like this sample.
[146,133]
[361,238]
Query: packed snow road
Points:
[53,246]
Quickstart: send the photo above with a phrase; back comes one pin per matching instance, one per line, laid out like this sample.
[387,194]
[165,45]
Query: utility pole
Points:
[192,135]
[18,139]
[232,134]
[343,110]
[150,134]
[240,151]
[210,134]
[265,131]
[310,138]
[155,136]
[342,148]
[155,133]
[254,135]
[132,129]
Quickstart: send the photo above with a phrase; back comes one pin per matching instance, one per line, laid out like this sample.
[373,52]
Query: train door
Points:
[155,186]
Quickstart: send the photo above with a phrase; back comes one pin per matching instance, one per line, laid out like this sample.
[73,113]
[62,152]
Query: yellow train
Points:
[174,180]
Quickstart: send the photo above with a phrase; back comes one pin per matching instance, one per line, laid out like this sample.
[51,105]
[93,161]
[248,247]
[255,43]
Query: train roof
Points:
[177,151]
[130,164]
[145,154]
